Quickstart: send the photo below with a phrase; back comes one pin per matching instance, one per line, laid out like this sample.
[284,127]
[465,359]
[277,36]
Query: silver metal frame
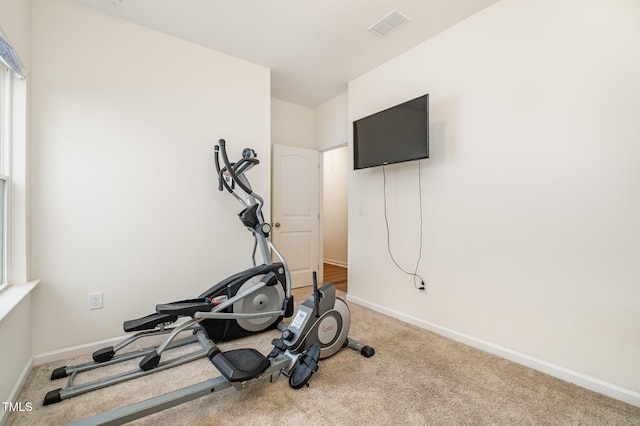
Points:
[162,402]
[75,390]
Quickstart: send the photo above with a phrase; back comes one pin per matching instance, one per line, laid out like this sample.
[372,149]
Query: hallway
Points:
[337,275]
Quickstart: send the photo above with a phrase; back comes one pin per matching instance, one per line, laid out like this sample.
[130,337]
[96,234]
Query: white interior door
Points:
[295,210]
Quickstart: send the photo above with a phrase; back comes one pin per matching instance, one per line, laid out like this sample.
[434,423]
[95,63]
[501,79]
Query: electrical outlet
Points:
[95,300]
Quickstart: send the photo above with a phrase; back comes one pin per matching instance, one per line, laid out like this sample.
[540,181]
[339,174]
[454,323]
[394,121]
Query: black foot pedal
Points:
[307,365]
[150,361]
[240,365]
[149,322]
[59,373]
[52,397]
[104,354]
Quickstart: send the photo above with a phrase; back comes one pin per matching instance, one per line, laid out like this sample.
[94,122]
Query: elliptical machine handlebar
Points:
[230,174]
[235,170]
[221,182]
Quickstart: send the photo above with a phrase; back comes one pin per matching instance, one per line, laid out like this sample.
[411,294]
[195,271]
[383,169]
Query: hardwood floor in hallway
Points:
[337,275]
[332,274]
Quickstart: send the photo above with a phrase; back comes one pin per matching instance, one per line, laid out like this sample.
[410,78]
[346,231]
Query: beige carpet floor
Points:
[416,377]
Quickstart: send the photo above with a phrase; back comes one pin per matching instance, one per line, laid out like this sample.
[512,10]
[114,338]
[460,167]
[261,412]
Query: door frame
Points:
[321,195]
[321,152]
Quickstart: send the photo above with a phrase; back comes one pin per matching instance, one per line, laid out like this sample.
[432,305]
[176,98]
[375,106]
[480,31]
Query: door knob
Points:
[277,224]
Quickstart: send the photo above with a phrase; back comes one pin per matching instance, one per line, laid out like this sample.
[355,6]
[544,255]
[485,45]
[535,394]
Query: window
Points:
[5,154]
[13,180]
[6,77]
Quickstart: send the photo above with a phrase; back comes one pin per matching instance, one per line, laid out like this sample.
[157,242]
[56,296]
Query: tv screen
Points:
[397,134]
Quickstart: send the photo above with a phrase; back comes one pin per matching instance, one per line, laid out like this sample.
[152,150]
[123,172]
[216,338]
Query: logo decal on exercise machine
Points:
[327,330]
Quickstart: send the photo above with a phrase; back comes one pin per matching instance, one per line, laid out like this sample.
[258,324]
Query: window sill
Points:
[13,294]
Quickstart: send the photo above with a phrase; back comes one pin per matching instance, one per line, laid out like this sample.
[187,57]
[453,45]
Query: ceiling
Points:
[313,47]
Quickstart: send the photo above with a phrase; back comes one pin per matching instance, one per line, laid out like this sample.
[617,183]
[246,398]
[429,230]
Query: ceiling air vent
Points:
[389,23]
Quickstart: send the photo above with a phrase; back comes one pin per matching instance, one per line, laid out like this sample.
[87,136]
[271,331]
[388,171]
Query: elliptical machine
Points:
[318,330]
[243,304]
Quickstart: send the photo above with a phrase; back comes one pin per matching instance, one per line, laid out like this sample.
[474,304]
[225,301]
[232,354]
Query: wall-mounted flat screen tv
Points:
[397,134]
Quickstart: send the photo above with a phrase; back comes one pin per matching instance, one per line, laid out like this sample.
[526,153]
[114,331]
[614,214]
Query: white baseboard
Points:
[65,353]
[13,396]
[583,380]
[335,262]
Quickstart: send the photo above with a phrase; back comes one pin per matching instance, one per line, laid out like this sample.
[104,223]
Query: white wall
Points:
[320,128]
[125,196]
[15,311]
[292,124]
[331,127]
[334,206]
[531,194]
[15,332]
[15,20]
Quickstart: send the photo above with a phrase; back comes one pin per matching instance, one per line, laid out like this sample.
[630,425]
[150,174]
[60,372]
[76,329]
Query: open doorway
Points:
[334,206]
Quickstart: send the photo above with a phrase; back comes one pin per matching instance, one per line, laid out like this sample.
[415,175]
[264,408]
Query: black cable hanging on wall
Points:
[418,281]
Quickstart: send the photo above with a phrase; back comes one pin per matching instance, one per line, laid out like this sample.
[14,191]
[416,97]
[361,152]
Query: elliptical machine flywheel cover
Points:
[267,299]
